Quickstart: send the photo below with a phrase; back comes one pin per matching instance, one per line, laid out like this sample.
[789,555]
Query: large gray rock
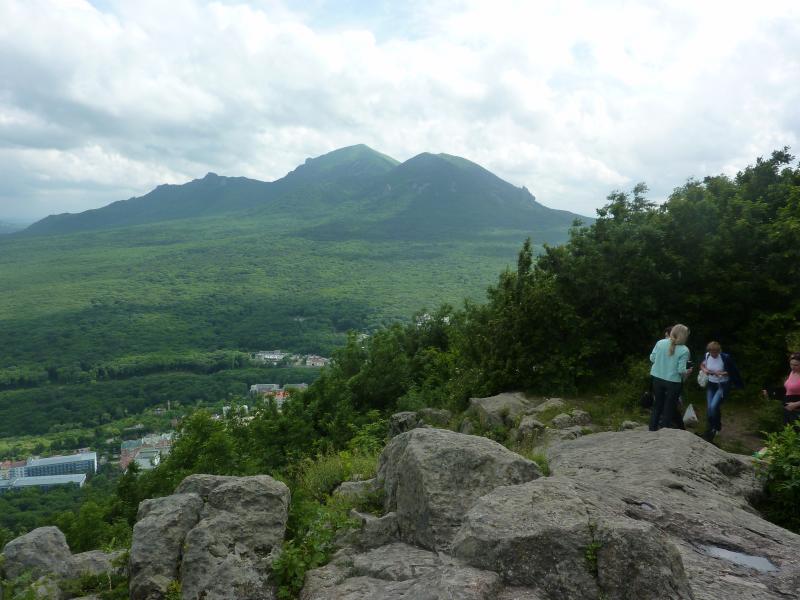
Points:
[404,421]
[431,477]
[158,540]
[43,551]
[547,405]
[530,427]
[502,410]
[202,484]
[371,531]
[400,572]
[438,417]
[591,553]
[695,495]
[508,530]
[575,418]
[96,562]
[355,489]
[229,552]
[662,515]
[626,516]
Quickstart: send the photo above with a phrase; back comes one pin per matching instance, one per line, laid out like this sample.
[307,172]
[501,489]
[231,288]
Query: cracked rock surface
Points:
[631,515]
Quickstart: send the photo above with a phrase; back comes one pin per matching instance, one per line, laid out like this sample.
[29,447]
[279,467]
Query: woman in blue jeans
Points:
[669,358]
[722,373]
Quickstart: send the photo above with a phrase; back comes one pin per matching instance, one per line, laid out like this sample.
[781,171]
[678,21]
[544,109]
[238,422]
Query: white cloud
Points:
[570,98]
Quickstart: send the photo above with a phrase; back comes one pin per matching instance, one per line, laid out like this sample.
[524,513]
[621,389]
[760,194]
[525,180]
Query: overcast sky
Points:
[103,100]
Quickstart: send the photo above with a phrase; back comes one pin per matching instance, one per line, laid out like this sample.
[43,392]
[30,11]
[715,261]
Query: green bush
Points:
[107,586]
[310,548]
[781,476]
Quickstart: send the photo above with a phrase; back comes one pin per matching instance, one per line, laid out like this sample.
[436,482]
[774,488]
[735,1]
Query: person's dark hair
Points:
[667,331]
[794,356]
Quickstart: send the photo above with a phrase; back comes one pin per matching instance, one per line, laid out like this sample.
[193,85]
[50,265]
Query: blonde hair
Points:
[677,337]
[713,347]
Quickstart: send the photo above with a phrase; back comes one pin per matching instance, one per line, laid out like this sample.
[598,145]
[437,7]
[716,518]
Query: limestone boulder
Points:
[431,477]
[43,551]
[158,540]
[229,552]
[202,484]
[371,531]
[96,562]
[697,497]
[632,515]
[530,426]
[575,418]
[438,417]
[502,410]
[533,535]
[548,404]
[355,489]
[404,421]
[400,572]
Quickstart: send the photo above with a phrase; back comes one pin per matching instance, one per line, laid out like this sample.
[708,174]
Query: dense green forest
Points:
[107,312]
[722,255]
[55,407]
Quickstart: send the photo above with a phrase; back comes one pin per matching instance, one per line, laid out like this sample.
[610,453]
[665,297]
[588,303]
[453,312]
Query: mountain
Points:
[350,240]
[439,195]
[353,192]
[211,195]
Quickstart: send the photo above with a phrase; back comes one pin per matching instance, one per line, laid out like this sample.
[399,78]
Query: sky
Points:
[104,100]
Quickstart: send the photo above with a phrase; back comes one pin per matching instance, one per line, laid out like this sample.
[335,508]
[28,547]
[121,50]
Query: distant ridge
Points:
[352,192]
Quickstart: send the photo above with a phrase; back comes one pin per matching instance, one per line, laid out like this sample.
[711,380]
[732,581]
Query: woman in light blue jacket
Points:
[669,358]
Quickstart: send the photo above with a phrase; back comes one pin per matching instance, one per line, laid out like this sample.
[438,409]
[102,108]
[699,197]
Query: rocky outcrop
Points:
[43,551]
[589,547]
[157,546]
[697,496]
[43,558]
[403,421]
[229,552]
[97,562]
[548,405]
[575,418]
[431,477]
[216,535]
[354,489]
[632,515]
[503,410]
[399,572]
[530,426]
[424,417]
[438,417]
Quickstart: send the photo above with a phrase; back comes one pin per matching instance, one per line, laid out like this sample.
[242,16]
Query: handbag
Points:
[702,378]
[646,399]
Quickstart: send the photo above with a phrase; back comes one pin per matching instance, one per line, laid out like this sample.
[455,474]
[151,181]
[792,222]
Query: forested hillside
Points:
[190,278]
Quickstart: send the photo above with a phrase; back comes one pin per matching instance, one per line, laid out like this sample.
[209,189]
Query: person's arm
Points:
[682,364]
[774,392]
[653,354]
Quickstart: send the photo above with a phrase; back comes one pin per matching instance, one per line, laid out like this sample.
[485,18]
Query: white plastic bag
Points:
[690,417]
[702,378]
